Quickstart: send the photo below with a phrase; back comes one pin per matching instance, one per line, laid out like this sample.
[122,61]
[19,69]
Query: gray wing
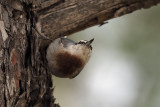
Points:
[66,42]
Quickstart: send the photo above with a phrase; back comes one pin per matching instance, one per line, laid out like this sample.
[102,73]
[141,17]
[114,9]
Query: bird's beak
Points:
[89,42]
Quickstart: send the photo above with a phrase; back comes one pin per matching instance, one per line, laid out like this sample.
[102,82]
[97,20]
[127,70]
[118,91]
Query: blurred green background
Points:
[124,69]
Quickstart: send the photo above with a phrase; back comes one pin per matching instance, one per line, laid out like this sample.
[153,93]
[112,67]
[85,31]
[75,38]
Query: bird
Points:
[67,58]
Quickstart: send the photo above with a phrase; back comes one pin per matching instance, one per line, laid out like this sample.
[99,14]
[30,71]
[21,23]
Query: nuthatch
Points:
[67,58]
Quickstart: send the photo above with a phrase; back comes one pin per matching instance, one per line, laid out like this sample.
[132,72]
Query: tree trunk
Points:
[24,79]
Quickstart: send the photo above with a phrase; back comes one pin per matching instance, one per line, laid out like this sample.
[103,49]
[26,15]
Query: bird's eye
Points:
[80,42]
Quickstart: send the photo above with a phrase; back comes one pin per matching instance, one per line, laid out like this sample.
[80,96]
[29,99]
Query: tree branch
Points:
[66,17]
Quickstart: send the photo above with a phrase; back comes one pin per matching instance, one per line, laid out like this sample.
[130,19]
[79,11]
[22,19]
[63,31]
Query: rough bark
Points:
[24,79]
[64,17]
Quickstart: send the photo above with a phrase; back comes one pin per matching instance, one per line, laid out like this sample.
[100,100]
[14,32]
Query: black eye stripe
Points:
[91,47]
[82,42]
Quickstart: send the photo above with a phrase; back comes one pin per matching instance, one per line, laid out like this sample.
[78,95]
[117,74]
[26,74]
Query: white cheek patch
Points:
[83,41]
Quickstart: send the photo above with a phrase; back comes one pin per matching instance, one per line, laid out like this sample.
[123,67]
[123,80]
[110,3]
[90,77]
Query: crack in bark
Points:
[50,7]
